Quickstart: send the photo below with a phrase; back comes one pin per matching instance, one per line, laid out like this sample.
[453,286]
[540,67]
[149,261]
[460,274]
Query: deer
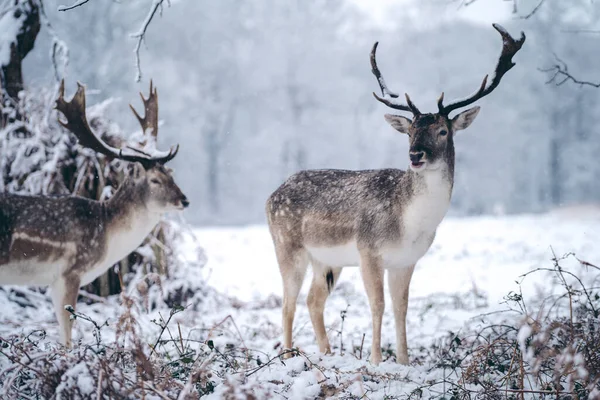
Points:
[378,220]
[67,242]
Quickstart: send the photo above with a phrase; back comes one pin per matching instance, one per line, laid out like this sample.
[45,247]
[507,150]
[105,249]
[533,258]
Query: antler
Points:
[510,47]
[150,121]
[386,92]
[77,123]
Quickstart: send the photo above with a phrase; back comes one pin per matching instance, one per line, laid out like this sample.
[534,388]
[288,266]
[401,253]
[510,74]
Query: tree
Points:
[19,26]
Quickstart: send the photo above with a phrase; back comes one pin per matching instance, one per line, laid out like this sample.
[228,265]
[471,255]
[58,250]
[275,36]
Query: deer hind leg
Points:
[372,273]
[324,279]
[64,292]
[399,282]
[292,266]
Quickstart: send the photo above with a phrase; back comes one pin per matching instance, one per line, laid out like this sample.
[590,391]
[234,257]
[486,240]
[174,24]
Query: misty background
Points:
[255,91]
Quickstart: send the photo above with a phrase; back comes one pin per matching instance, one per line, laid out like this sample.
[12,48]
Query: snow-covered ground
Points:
[484,254]
[472,265]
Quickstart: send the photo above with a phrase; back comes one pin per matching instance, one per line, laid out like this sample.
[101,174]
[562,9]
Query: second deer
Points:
[67,242]
[379,219]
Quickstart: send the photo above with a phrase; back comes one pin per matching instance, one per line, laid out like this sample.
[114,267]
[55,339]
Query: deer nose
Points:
[185,202]
[416,156]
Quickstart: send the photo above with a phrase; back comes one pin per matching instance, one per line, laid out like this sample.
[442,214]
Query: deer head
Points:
[431,135]
[148,180]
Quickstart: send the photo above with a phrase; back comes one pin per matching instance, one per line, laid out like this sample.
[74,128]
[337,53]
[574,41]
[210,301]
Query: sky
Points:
[482,11]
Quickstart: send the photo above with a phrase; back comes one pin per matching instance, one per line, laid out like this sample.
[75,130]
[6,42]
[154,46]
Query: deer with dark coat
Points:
[67,242]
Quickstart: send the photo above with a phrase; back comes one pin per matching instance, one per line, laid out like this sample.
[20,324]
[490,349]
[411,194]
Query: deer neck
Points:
[128,220]
[429,196]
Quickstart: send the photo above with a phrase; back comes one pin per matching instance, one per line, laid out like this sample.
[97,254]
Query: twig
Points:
[151,387]
[163,328]
[75,315]
[362,343]
[78,3]
[141,34]
[533,11]
[99,387]
[560,74]
[343,316]
[515,10]
[587,264]
[238,331]
[255,370]
[180,337]
[580,30]
[15,360]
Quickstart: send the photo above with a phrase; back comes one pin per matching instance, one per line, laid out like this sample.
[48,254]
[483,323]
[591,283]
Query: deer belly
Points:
[34,260]
[336,256]
[30,272]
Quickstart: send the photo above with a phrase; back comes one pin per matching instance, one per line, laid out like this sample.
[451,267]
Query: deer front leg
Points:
[64,292]
[372,274]
[317,296]
[399,282]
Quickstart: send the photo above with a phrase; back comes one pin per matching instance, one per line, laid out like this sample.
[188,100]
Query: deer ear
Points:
[398,122]
[136,170]
[464,119]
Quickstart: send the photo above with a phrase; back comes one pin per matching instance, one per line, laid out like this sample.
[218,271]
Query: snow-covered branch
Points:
[141,34]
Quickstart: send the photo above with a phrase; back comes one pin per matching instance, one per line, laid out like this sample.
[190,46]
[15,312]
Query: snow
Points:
[9,29]
[486,254]
[472,265]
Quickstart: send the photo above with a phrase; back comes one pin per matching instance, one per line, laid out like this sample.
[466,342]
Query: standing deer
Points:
[67,242]
[382,219]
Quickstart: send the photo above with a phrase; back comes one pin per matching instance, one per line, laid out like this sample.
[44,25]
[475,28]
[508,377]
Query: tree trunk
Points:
[214,150]
[27,13]
[555,183]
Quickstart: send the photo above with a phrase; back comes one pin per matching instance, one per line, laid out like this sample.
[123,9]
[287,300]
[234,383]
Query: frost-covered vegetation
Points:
[472,334]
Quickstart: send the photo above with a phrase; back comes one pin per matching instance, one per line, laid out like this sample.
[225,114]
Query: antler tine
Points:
[386,92]
[149,122]
[510,47]
[74,112]
[77,123]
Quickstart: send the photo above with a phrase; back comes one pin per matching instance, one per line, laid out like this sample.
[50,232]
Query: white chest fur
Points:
[424,212]
[419,221]
[122,239]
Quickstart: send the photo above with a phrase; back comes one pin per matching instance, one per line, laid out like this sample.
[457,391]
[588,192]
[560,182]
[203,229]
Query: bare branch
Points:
[465,3]
[595,31]
[532,12]
[78,3]
[559,74]
[141,34]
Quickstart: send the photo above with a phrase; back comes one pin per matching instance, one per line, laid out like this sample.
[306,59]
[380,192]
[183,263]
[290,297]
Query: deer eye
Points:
[155,181]
[443,132]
